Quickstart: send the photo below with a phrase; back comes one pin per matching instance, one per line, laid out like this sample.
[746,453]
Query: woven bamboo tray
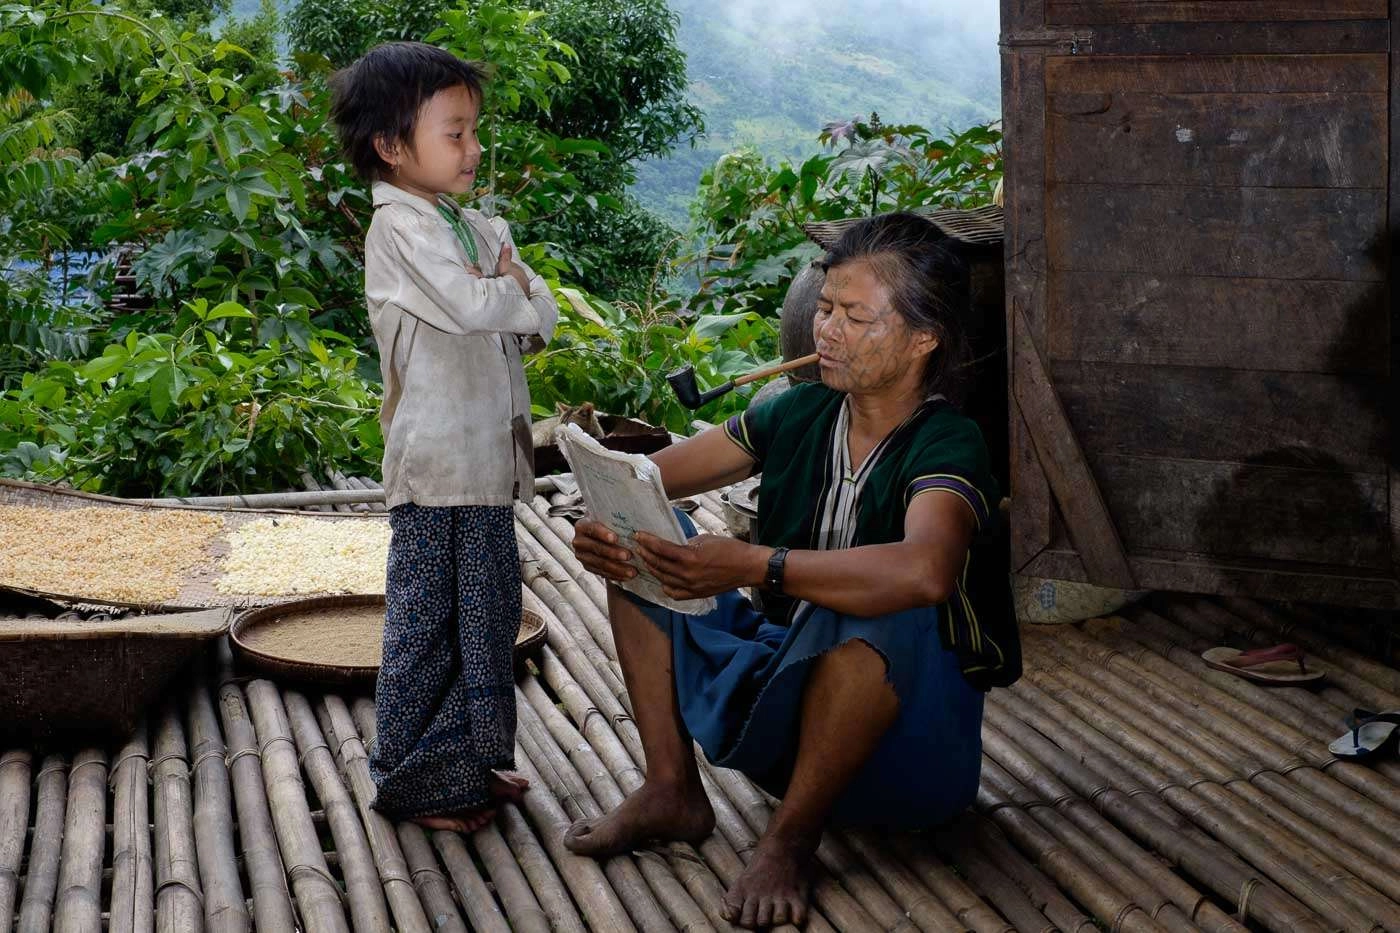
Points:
[319,664]
[197,590]
[60,677]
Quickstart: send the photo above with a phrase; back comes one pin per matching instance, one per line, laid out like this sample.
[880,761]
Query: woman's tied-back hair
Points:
[381,94]
[928,285]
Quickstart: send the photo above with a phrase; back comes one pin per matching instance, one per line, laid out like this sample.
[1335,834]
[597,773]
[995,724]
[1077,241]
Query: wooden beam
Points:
[1090,526]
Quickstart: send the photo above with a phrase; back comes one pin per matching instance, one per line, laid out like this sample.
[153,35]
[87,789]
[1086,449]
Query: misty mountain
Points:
[770,73]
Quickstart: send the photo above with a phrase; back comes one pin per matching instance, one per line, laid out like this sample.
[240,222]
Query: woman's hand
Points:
[596,547]
[705,565]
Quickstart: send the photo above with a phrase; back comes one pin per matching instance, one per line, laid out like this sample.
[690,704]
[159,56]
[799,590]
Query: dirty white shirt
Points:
[456,412]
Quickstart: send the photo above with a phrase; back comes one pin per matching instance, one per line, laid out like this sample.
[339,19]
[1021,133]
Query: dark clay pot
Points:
[799,307]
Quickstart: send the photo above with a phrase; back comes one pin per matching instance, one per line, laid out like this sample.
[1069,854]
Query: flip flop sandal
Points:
[1263,665]
[1370,732]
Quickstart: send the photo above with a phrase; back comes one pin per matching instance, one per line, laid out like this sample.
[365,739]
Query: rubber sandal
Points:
[1370,732]
[1263,665]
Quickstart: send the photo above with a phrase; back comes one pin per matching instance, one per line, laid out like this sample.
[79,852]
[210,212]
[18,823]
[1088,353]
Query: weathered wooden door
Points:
[1198,279]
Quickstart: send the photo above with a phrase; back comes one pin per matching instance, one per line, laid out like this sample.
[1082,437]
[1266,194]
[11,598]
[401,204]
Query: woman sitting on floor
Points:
[855,695]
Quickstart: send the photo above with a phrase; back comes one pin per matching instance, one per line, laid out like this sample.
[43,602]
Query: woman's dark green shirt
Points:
[936,450]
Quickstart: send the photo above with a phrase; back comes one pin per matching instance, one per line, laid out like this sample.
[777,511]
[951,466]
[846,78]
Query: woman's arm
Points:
[920,570]
[701,463]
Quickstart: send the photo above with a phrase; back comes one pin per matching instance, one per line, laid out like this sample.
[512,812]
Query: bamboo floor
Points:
[1125,786]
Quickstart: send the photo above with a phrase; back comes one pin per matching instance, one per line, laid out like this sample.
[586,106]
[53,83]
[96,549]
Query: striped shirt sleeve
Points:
[957,485]
[954,461]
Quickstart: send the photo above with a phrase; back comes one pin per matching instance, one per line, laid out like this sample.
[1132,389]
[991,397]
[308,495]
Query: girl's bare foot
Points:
[458,821]
[652,812]
[508,786]
[773,888]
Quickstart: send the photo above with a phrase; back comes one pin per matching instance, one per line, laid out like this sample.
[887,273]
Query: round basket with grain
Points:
[334,639]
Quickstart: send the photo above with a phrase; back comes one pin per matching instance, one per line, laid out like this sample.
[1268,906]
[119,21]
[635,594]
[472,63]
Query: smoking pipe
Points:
[688,393]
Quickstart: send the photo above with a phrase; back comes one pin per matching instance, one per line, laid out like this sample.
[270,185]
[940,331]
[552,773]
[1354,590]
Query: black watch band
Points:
[773,582]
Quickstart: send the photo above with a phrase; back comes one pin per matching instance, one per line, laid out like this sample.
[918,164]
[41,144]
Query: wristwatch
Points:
[773,582]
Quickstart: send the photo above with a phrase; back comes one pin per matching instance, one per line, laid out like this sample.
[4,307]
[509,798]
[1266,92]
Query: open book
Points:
[624,492]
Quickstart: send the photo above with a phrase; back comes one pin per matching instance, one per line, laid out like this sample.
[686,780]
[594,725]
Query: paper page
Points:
[624,492]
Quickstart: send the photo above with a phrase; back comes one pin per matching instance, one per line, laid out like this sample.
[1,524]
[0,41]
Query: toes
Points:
[729,910]
[748,917]
[782,912]
[765,912]
[799,912]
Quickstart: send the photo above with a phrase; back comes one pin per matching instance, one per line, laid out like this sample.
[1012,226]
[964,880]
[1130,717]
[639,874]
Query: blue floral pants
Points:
[446,690]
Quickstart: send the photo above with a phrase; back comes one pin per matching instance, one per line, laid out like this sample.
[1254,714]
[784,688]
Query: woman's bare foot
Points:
[653,812]
[773,888]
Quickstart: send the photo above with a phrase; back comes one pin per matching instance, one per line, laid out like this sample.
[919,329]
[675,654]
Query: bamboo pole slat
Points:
[341,483]
[1045,896]
[1303,709]
[585,879]
[317,893]
[534,517]
[850,903]
[368,910]
[131,907]
[523,910]
[569,789]
[695,907]
[921,906]
[1168,816]
[225,908]
[432,885]
[1323,794]
[594,619]
[964,902]
[566,626]
[14,826]
[1006,793]
[179,895]
[1303,873]
[595,730]
[309,483]
[78,907]
[528,858]
[546,883]
[267,882]
[383,841]
[985,880]
[1320,803]
[483,912]
[1380,863]
[41,884]
[1034,759]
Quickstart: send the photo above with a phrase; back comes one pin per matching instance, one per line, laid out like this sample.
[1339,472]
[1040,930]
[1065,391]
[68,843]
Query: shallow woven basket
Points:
[73,677]
[326,669]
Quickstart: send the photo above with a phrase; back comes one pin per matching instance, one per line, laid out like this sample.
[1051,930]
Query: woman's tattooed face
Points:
[865,345]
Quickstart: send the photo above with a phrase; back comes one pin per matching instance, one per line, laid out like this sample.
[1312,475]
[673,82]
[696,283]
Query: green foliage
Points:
[750,214]
[343,30]
[207,407]
[617,354]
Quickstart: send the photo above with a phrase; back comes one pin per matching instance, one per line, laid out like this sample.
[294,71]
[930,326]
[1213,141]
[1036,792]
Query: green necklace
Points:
[459,227]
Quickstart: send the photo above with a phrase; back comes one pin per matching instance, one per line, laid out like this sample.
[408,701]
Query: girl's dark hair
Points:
[928,285]
[380,95]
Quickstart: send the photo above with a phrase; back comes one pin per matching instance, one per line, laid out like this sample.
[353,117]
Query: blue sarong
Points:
[739,682]
[445,697]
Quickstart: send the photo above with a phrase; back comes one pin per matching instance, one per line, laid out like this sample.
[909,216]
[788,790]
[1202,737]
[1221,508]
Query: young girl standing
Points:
[452,311]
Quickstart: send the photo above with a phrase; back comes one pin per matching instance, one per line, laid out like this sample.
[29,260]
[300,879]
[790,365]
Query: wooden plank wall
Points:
[1211,291]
